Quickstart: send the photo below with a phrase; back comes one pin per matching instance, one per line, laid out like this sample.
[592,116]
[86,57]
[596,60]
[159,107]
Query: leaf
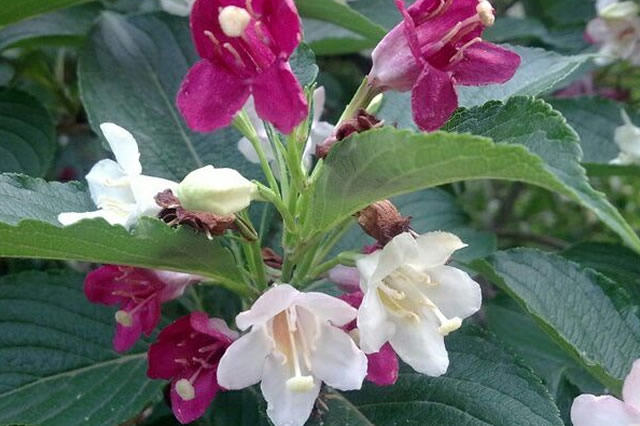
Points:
[59,367]
[383,163]
[66,26]
[540,72]
[544,132]
[30,229]
[303,63]
[19,10]
[589,315]
[329,39]
[27,134]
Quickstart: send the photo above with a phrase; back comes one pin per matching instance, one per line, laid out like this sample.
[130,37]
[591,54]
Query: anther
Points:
[185,389]
[234,20]
[124,319]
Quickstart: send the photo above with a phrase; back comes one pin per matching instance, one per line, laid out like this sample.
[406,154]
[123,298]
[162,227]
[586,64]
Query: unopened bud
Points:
[218,191]
[383,221]
[375,104]
[124,319]
[185,390]
[485,12]
[621,10]
[233,20]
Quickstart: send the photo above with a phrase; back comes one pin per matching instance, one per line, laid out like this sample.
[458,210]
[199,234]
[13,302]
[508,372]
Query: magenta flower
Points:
[245,49]
[383,365]
[139,292]
[437,47]
[187,352]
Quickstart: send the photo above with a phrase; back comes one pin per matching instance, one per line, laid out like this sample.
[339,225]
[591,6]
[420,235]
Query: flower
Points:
[383,366]
[245,51]
[437,47]
[412,299]
[118,188]
[627,137]
[320,130]
[616,30]
[218,191]
[591,410]
[140,294]
[294,345]
[187,352]
[177,7]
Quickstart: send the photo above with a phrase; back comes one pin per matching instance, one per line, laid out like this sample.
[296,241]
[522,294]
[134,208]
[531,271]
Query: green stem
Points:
[271,197]
[361,99]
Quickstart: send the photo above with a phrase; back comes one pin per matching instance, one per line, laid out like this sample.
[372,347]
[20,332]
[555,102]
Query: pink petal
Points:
[433,99]
[206,387]
[201,323]
[204,17]
[148,315]
[126,337]
[347,278]
[590,410]
[485,63]
[166,349]
[383,366]
[282,20]
[423,8]
[409,29]
[100,284]
[631,388]
[394,64]
[279,98]
[210,96]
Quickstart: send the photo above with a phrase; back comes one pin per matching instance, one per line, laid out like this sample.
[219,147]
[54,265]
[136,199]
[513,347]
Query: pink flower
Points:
[245,49]
[187,352]
[139,292]
[383,365]
[591,410]
[437,47]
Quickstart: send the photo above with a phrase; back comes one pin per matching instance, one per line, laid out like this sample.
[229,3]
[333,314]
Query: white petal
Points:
[243,362]
[246,148]
[436,248]
[421,346]
[320,131]
[319,98]
[337,361]
[144,189]
[400,250]
[106,179]
[111,216]
[631,388]
[590,410]
[124,147]
[285,408]
[275,300]
[375,328]
[327,308]
[456,294]
[177,7]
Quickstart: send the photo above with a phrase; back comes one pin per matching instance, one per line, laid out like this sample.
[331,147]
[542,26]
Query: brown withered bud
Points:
[271,258]
[173,214]
[383,221]
[361,122]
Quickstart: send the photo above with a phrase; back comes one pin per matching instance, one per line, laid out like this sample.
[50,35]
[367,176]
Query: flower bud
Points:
[383,221]
[218,191]
[622,10]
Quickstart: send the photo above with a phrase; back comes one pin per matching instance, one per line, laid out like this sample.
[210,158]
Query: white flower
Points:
[591,410]
[617,30]
[218,191]
[320,131]
[294,345]
[177,7]
[118,188]
[627,137]
[412,299]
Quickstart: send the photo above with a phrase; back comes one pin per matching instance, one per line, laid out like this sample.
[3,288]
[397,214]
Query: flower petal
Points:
[144,189]
[275,300]
[590,410]
[375,328]
[421,346]
[214,327]
[113,217]
[394,65]
[124,147]
[126,337]
[166,349]
[286,407]
[456,294]
[327,308]
[485,63]
[337,361]
[435,248]
[378,265]
[284,25]
[243,362]
[107,180]
[279,98]
[206,387]
[383,366]
[346,277]
[631,388]
[210,96]
[433,99]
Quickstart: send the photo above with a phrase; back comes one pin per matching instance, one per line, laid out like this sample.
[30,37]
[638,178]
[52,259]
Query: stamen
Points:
[181,361]
[249,7]
[460,53]
[185,389]
[124,319]
[392,293]
[209,348]
[298,383]
[260,32]
[234,20]
[397,307]
[235,54]
[447,325]
[444,5]
[213,39]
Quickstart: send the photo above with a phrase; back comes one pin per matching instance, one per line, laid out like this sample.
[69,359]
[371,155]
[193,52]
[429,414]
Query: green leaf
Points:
[59,367]
[66,26]
[544,132]
[303,63]
[329,39]
[19,10]
[589,315]
[595,120]
[383,163]
[30,229]
[27,134]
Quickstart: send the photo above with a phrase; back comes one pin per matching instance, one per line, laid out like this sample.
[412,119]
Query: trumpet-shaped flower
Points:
[320,130]
[187,352]
[295,343]
[140,294]
[118,188]
[412,299]
[245,48]
[437,47]
[219,191]
[591,410]
[627,137]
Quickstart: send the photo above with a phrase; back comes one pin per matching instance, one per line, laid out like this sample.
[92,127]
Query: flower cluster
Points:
[616,30]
